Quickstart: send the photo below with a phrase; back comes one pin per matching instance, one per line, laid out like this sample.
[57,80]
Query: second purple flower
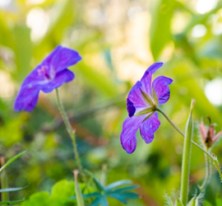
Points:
[142,100]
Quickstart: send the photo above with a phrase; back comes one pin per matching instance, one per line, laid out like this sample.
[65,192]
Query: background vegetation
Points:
[118,40]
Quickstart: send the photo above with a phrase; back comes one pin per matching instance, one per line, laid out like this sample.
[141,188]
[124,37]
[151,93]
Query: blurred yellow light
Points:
[33,2]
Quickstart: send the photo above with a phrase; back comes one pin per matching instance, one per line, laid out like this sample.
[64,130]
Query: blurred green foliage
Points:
[118,40]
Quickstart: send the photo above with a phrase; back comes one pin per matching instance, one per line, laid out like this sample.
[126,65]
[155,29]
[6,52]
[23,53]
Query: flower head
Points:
[142,101]
[51,73]
[208,135]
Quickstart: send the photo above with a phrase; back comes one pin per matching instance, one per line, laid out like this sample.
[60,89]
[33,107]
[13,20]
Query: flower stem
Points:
[207,176]
[70,131]
[213,158]
[186,157]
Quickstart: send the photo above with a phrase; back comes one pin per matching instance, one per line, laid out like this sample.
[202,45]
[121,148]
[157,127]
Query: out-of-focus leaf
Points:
[11,160]
[95,202]
[40,198]
[118,197]
[179,203]
[12,189]
[11,202]
[23,51]
[125,188]
[160,30]
[168,200]
[97,183]
[97,80]
[130,195]
[117,184]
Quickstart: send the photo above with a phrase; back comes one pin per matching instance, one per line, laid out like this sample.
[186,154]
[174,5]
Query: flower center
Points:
[43,71]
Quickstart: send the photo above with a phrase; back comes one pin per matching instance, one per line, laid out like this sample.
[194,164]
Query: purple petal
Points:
[61,58]
[130,108]
[148,127]
[60,78]
[146,82]
[128,135]
[135,97]
[154,67]
[160,85]
[27,98]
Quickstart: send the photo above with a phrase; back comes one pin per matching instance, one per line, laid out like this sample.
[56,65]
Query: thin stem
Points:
[215,161]
[218,167]
[70,131]
[207,176]
[168,119]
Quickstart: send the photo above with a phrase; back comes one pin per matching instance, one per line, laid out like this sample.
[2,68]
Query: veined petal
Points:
[160,86]
[136,97]
[148,127]
[60,78]
[154,67]
[61,58]
[27,98]
[128,135]
[147,77]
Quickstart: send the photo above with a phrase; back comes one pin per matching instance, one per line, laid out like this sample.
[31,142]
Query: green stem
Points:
[207,176]
[175,127]
[215,161]
[186,158]
[70,131]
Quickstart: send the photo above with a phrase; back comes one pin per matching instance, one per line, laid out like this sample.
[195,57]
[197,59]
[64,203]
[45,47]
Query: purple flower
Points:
[51,73]
[142,102]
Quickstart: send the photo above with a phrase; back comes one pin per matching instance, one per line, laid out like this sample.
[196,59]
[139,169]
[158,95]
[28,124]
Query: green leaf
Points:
[23,51]
[130,195]
[95,202]
[123,189]
[40,198]
[168,200]
[94,194]
[179,203]
[103,201]
[117,184]
[12,189]
[97,183]
[12,160]
[118,197]
[11,202]
[97,80]
[160,30]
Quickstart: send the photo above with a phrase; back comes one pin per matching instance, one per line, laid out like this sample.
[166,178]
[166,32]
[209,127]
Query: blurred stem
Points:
[212,157]
[4,182]
[186,157]
[207,176]
[70,131]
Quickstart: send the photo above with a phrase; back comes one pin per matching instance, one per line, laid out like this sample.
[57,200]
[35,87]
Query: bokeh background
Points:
[118,40]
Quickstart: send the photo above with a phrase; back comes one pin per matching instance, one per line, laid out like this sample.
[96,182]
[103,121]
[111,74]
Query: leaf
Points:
[130,195]
[98,184]
[118,197]
[160,30]
[117,184]
[123,189]
[12,160]
[179,203]
[103,201]
[11,202]
[79,198]
[94,194]
[23,51]
[95,202]
[12,189]
[97,80]
[168,200]
[37,199]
